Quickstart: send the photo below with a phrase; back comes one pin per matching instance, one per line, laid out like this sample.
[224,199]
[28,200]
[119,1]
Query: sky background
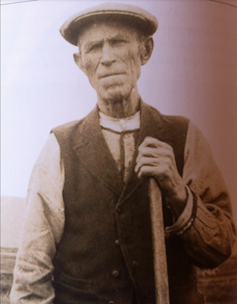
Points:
[192,72]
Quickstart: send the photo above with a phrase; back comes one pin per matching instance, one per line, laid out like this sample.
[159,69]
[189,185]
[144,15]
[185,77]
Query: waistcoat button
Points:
[115,273]
[111,302]
[117,243]
[135,264]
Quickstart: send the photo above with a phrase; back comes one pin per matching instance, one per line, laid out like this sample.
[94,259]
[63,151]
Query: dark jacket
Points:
[105,254]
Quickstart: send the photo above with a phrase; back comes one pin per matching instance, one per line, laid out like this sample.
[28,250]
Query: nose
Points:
[108,56]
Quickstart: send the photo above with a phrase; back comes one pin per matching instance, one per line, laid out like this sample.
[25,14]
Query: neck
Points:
[120,107]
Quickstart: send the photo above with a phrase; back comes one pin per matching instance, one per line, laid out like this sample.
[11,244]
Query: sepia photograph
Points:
[118,152]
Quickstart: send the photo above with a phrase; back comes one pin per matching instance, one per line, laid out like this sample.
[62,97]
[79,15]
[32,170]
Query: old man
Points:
[87,233]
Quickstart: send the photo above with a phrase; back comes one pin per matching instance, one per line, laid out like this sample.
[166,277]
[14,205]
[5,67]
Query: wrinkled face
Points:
[110,57]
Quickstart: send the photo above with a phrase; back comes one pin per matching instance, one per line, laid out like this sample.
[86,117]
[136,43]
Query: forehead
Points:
[106,29]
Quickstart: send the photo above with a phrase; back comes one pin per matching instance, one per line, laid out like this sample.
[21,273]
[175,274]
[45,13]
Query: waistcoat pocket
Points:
[63,278]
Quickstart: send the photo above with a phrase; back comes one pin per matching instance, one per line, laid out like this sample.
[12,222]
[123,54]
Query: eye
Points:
[115,42]
[94,47]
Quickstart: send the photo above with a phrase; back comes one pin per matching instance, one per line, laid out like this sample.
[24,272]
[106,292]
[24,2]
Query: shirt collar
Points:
[120,124]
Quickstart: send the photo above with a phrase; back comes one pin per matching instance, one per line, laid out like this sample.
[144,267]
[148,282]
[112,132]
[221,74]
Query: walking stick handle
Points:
[159,249]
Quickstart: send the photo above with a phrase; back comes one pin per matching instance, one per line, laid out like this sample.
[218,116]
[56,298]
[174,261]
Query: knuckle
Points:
[150,140]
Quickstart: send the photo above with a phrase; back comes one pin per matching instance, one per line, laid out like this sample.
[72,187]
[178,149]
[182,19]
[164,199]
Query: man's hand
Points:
[156,158]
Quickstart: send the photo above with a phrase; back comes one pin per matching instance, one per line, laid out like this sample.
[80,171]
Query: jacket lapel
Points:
[95,155]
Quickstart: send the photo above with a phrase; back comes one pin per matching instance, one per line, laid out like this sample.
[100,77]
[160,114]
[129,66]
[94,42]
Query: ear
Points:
[146,49]
[77,59]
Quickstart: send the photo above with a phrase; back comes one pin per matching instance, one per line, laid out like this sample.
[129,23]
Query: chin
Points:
[116,97]
[113,95]
[118,93]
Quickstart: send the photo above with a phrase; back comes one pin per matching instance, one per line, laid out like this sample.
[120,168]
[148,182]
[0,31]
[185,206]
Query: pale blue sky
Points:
[192,72]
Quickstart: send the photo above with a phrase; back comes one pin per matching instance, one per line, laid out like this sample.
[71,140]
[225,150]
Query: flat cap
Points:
[135,15]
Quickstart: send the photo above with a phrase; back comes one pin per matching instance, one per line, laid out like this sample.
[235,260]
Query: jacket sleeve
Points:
[209,237]
[42,230]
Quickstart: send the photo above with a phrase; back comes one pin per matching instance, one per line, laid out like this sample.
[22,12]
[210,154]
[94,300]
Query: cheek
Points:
[89,65]
[135,64]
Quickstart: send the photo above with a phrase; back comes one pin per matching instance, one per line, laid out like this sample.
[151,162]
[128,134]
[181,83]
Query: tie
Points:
[120,136]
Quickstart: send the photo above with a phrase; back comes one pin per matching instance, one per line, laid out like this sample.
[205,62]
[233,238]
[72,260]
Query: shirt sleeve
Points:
[210,232]
[185,219]
[42,230]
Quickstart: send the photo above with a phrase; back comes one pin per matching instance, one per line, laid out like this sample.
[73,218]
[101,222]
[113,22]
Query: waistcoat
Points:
[105,254]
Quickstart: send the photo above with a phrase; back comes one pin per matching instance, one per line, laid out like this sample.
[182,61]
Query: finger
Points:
[146,171]
[165,164]
[154,152]
[147,152]
[159,172]
[154,142]
[147,161]
[149,141]
[162,154]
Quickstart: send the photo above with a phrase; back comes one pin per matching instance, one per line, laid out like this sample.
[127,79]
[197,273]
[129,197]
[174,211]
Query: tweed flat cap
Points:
[135,16]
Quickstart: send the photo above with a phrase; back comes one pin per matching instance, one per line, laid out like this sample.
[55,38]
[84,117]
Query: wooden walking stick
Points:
[158,237]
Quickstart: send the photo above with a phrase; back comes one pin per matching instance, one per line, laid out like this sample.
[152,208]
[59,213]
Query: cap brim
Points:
[133,15]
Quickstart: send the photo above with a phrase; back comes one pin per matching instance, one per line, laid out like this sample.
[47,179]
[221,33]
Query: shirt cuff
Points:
[186,218]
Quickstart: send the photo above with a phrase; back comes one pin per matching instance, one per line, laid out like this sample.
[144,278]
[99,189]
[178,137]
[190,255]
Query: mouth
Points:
[110,75]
